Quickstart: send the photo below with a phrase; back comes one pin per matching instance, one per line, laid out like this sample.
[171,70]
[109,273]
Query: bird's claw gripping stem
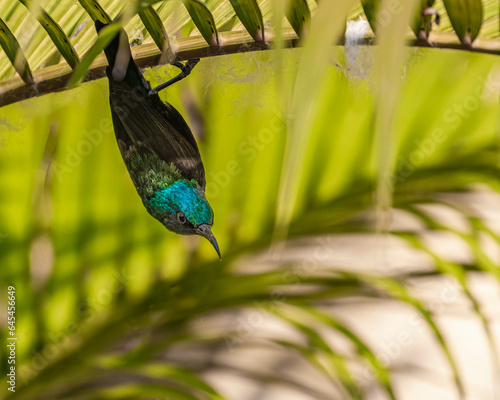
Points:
[185,71]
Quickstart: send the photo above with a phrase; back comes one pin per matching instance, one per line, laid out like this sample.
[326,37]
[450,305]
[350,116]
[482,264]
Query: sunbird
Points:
[157,146]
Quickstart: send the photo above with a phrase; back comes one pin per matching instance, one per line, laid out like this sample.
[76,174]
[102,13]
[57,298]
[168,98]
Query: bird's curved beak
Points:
[205,231]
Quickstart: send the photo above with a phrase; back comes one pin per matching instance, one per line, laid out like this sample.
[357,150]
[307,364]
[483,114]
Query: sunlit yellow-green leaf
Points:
[371,9]
[95,10]
[249,13]
[466,16]
[16,56]
[299,15]
[204,21]
[55,32]
[154,25]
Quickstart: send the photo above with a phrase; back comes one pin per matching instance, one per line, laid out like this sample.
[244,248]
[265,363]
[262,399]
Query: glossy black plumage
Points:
[142,121]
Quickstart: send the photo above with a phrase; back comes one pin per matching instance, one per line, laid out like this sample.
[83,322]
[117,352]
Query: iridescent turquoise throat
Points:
[183,196]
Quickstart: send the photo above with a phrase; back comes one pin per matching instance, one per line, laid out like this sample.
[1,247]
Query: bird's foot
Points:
[185,71]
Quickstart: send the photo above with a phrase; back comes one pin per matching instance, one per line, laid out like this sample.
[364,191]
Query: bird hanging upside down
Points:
[157,145]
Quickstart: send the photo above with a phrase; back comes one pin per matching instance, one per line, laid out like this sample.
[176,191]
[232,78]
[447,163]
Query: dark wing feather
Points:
[150,125]
[144,123]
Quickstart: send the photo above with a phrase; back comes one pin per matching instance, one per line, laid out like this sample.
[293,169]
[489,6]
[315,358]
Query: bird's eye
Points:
[181,218]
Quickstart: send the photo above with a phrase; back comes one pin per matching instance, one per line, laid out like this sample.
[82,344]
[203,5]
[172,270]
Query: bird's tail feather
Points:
[121,66]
